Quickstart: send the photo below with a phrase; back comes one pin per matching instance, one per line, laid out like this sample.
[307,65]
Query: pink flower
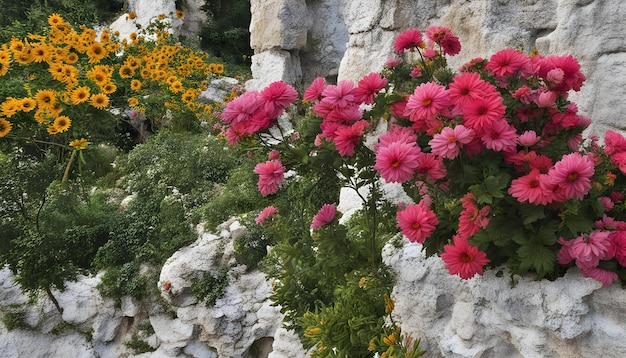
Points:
[463,259]
[430,168]
[427,102]
[324,216]
[572,78]
[417,222]
[271,175]
[274,154]
[397,161]
[528,138]
[276,97]
[573,174]
[618,239]
[483,112]
[448,143]
[393,62]
[407,40]
[340,95]
[614,142]
[500,136]
[589,250]
[468,87]
[265,214]
[508,61]
[546,98]
[347,137]
[416,72]
[451,45]
[241,108]
[472,219]
[314,92]
[619,159]
[397,134]
[368,87]
[607,203]
[529,188]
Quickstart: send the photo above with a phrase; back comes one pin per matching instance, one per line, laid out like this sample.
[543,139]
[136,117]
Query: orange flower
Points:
[99,100]
[132,15]
[79,144]
[180,14]
[62,123]
[55,20]
[135,85]
[80,95]
[46,98]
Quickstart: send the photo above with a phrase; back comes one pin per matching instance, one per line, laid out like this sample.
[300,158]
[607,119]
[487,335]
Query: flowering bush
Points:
[492,159]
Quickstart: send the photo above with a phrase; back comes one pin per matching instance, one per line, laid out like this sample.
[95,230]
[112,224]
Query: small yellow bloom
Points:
[28,104]
[126,71]
[99,100]
[46,98]
[132,15]
[80,95]
[180,14]
[133,102]
[5,127]
[55,20]
[135,85]
[161,17]
[79,144]
[62,123]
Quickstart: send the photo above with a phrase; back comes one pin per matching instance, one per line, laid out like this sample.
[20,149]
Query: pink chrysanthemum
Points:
[271,175]
[265,214]
[618,239]
[241,108]
[276,97]
[572,78]
[483,112]
[528,138]
[314,92]
[347,137]
[430,168]
[397,134]
[368,86]
[468,87]
[529,188]
[508,61]
[324,216]
[573,174]
[340,95]
[500,136]
[472,218]
[587,251]
[417,222]
[407,40]
[463,259]
[397,161]
[619,159]
[448,143]
[427,102]
[598,274]
[614,142]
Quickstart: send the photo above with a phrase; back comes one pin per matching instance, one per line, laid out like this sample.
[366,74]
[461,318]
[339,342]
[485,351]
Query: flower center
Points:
[427,101]
[415,226]
[451,139]
[534,183]
[572,176]
[466,257]
[395,163]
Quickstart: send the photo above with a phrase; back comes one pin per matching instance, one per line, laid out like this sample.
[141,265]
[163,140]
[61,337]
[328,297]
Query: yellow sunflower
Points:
[58,72]
[180,14]
[133,102]
[41,53]
[80,95]
[23,58]
[219,68]
[161,17]
[133,36]
[16,45]
[10,106]
[126,71]
[5,127]
[105,36]
[4,67]
[62,123]
[79,144]
[132,62]
[96,52]
[46,98]
[43,115]
[27,104]
[71,58]
[135,85]
[55,20]
[132,15]
[109,88]
[52,129]
[176,87]
[99,100]
[99,74]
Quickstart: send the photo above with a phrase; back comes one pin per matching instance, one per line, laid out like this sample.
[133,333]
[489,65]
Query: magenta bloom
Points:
[614,142]
[324,216]
[265,214]
[483,112]
[598,274]
[368,87]
[427,102]
[341,95]
[528,138]
[529,188]
[417,222]
[468,87]
[397,161]
[500,136]
[314,92]
[347,137]
[472,218]
[241,108]
[508,61]
[463,259]
[430,168]
[407,40]
[448,143]
[588,251]
[271,175]
[276,97]
[573,174]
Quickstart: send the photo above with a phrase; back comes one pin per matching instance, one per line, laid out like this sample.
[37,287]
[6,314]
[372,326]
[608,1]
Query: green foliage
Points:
[138,343]
[14,318]
[210,287]
[226,33]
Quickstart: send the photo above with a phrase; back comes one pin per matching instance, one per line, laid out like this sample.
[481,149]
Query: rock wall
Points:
[298,40]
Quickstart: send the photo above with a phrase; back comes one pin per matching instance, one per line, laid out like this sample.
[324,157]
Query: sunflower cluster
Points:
[68,76]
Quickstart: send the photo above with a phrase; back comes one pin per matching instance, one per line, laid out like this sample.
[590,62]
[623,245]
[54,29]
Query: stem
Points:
[66,174]
[31,140]
[53,299]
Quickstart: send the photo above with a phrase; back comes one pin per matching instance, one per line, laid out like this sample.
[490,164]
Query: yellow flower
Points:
[132,15]
[79,144]
[10,106]
[389,303]
[96,52]
[161,17]
[135,85]
[80,95]
[99,100]
[43,115]
[180,14]
[4,66]
[52,129]
[133,36]
[28,104]
[16,45]
[176,87]
[23,58]
[132,62]
[55,20]
[105,36]
[109,88]
[126,71]
[46,98]
[219,68]
[71,58]
[62,123]
[99,74]
[133,102]
[5,127]
[372,346]
[41,53]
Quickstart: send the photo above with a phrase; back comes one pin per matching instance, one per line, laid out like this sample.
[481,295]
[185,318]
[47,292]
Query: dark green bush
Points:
[210,287]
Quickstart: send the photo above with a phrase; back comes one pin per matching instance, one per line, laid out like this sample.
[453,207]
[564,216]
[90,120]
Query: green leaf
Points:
[578,224]
[531,213]
[538,258]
